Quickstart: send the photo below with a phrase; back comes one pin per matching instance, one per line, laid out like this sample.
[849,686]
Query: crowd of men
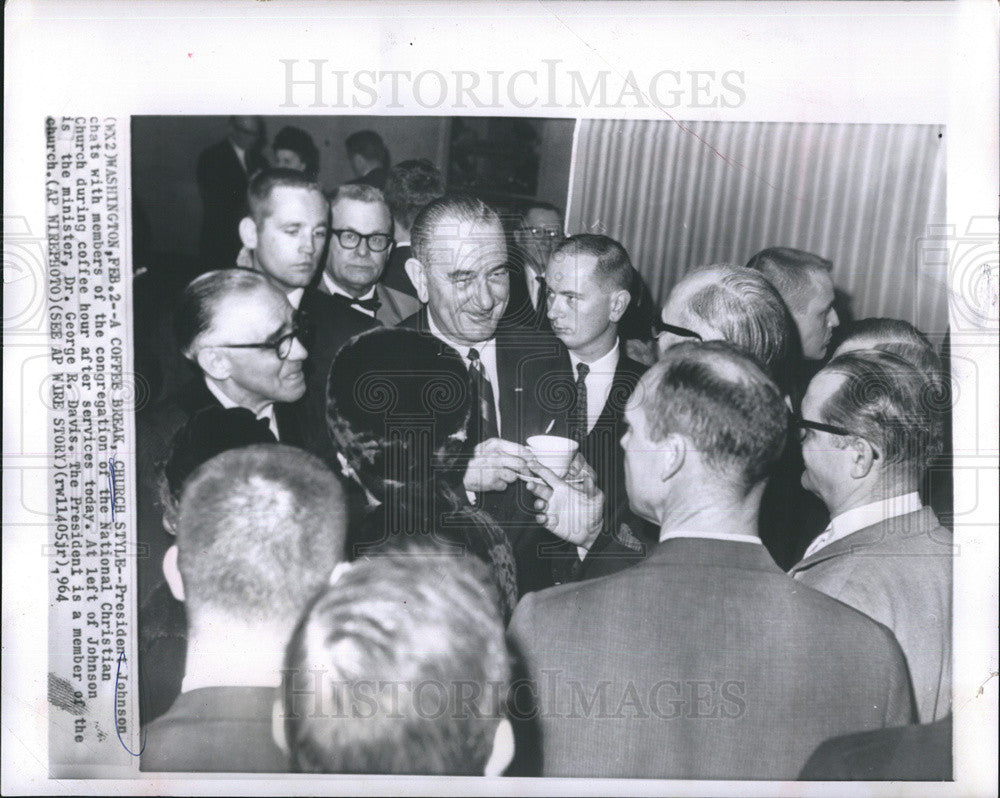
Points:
[682,613]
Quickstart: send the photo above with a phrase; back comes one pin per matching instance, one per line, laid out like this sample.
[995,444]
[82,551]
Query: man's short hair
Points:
[409,186]
[457,207]
[614,268]
[301,143]
[359,192]
[259,531]
[537,205]
[890,402]
[406,651]
[369,145]
[748,312]
[202,296]
[718,397]
[791,271]
[263,184]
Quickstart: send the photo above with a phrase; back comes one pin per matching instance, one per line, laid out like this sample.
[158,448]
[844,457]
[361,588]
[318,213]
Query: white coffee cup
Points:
[553,452]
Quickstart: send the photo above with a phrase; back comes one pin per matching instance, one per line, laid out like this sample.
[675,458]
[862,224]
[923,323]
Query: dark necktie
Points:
[485,420]
[372,304]
[580,409]
[540,312]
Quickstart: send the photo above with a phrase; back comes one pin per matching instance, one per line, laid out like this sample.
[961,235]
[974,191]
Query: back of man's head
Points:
[720,400]
[259,531]
[400,667]
[743,308]
[790,271]
[369,145]
[890,402]
[263,184]
[409,186]
[458,210]
[614,268]
[202,296]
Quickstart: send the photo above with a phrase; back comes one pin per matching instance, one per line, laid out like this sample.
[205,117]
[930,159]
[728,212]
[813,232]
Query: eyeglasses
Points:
[544,232]
[376,242]
[658,327]
[282,346]
[833,429]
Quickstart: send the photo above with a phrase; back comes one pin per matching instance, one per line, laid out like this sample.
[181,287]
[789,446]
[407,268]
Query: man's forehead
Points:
[542,217]
[296,201]
[820,289]
[459,244]
[570,268]
[357,209]
[822,387]
[261,310]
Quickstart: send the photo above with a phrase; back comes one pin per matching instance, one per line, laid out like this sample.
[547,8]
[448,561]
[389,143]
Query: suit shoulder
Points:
[631,367]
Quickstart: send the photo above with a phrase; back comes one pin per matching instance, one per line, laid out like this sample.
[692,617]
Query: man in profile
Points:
[804,282]
[868,432]
[704,660]
[260,530]
[223,171]
[405,654]
[369,158]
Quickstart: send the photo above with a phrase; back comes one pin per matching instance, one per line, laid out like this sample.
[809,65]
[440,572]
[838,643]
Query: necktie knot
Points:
[474,356]
[582,369]
[372,304]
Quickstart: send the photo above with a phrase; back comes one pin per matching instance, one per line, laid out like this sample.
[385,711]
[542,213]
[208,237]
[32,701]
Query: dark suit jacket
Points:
[222,183]
[907,753]
[898,572]
[395,275]
[520,313]
[534,389]
[626,538]
[703,661]
[216,730]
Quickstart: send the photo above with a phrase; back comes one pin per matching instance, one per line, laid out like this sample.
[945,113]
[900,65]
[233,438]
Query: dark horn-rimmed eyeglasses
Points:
[832,429]
[658,327]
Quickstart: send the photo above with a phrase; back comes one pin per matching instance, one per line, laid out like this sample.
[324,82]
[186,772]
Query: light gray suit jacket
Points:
[703,661]
[899,573]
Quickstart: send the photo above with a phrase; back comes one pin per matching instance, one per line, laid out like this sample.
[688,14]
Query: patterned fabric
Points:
[482,392]
[580,408]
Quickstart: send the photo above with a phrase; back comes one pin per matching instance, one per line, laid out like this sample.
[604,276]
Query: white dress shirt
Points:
[333,288]
[487,356]
[598,382]
[534,287]
[734,537]
[241,154]
[267,412]
[258,669]
[866,515]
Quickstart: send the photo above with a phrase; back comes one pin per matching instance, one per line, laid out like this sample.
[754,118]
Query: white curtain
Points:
[687,194]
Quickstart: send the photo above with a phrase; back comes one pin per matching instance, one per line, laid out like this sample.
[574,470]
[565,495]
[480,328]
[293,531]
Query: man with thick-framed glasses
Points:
[868,431]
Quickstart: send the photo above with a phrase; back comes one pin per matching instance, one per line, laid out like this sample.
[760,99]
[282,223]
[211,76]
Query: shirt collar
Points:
[858,518]
[734,537]
[462,349]
[606,364]
[336,289]
[259,669]
[267,412]
[295,297]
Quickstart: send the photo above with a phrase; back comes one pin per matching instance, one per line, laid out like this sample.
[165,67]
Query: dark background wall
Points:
[165,151]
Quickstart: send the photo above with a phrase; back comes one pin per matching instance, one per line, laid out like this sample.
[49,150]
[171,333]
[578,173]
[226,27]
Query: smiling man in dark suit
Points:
[459,268]
[705,660]
[588,279]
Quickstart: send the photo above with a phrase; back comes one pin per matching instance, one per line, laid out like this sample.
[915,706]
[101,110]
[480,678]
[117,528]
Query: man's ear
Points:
[673,452]
[248,232]
[417,273]
[173,573]
[214,363]
[503,749]
[619,304]
[863,457]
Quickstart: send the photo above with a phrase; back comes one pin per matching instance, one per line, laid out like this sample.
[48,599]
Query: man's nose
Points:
[298,350]
[308,244]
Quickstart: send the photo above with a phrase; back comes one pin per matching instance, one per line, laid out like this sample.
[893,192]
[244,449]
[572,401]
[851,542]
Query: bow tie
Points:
[372,304]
